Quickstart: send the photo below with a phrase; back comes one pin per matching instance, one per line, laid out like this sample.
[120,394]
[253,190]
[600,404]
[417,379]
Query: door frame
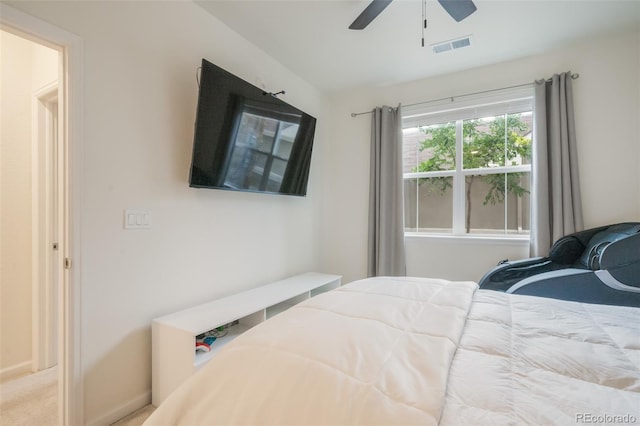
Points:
[46,224]
[70,119]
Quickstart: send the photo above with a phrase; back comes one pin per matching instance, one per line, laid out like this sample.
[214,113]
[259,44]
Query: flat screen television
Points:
[248,140]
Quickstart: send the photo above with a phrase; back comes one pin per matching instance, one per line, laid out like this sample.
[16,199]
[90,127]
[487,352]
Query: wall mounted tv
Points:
[248,140]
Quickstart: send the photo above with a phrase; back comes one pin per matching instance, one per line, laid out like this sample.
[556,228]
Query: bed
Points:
[421,351]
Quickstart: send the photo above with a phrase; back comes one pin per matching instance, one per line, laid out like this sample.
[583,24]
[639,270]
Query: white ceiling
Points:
[311,38]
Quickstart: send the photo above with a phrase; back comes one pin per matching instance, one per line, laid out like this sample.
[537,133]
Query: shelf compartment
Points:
[286,304]
[244,324]
[201,358]
[323,289]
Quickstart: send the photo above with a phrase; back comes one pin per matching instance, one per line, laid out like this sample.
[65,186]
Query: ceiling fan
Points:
[458,9]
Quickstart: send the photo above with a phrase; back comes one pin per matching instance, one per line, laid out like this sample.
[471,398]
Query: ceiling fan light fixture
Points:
[457,9]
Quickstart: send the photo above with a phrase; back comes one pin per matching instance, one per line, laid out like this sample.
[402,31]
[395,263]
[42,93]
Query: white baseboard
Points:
[15,370]
[122,411]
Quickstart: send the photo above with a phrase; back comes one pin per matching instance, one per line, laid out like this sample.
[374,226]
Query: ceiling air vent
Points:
[442,47]
[451,44]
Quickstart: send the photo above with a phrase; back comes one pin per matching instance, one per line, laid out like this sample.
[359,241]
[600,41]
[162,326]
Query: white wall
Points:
[26,67]
[140,61]
[607,104]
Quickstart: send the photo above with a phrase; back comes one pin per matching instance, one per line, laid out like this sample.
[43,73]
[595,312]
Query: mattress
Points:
[421,351]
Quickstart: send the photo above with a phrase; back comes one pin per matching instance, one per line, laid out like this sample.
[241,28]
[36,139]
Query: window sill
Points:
[518,240]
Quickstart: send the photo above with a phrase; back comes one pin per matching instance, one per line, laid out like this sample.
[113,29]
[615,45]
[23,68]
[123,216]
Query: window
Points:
[467,165]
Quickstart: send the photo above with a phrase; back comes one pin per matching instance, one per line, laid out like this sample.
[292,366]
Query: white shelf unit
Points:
[174,358]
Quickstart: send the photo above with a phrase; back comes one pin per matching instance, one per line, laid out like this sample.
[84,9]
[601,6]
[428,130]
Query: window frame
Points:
[498,102]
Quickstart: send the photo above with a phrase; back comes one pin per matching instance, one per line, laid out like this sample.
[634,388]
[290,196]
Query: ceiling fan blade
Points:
[369,14]
[458,9]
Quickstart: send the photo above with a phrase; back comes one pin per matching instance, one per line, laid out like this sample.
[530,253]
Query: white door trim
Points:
[71,406]
[46,192]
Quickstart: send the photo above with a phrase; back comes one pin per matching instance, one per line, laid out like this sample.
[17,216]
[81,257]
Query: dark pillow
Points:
[566,250]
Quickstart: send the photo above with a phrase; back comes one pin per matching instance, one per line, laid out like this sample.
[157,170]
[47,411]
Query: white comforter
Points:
[421,351]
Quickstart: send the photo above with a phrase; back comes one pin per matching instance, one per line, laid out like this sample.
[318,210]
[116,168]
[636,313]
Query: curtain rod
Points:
[574,76]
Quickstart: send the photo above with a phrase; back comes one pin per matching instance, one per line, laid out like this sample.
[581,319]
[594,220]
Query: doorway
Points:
[69,130]
[31,190]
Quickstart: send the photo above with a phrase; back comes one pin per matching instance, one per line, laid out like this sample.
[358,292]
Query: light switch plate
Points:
[137,219]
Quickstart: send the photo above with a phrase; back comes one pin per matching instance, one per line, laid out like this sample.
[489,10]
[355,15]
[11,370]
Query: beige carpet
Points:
[137,418]
[33,401]
[30,400]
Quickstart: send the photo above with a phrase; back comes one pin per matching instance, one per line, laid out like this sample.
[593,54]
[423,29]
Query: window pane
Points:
[519,139]
[429,148]
[410,197]
[411,138]
[487,209]
[497,141]
[428,204]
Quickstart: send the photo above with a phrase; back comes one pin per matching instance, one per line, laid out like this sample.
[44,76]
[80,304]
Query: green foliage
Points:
[496,191]
[498,142]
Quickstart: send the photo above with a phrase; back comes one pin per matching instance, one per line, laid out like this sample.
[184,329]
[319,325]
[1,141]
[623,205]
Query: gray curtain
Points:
[386,217]
[556,203]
